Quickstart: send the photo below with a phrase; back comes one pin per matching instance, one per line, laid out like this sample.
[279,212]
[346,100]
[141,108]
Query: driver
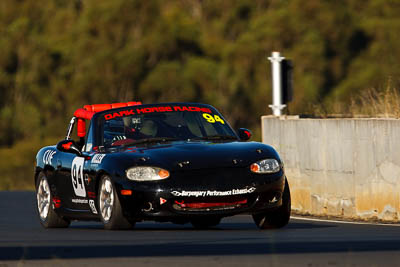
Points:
[138,127]
[135,128]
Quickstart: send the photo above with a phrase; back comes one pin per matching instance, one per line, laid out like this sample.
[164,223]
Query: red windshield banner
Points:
[159,109]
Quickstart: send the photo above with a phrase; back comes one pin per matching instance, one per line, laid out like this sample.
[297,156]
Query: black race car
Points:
[177,162]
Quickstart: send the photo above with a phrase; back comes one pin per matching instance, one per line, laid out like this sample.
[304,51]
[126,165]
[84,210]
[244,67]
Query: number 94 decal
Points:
[213,119]
[77,176]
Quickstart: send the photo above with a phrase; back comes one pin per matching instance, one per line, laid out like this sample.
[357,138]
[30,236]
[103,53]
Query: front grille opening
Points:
[210,203]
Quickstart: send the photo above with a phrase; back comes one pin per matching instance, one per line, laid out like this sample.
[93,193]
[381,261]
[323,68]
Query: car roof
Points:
[88,111]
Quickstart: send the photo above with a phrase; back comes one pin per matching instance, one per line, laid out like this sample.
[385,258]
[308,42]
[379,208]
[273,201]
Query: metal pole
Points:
[276,84]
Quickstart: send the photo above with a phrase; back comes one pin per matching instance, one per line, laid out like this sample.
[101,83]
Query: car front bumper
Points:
[183,197]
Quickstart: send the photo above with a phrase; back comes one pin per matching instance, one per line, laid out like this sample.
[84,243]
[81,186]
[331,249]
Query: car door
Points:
[71,182]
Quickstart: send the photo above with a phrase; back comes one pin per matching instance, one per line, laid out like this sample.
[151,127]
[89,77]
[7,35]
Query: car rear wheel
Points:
[110,207]
[45,209]
[277,218]
[205,223]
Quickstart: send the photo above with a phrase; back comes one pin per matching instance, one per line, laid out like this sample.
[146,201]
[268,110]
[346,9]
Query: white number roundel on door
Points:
[77,176]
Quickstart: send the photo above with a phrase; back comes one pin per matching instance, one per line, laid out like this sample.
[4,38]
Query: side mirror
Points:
[244,134]
[69,146]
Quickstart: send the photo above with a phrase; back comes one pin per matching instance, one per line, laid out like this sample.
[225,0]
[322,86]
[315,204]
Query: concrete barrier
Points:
[340,167]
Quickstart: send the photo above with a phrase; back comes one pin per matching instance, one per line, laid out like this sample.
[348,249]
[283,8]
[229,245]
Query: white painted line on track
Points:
[344,222]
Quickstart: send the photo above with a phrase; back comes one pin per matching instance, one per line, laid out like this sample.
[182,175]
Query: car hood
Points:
[195,155]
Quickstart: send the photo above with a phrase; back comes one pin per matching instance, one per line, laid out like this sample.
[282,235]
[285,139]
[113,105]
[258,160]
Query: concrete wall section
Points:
[340,167]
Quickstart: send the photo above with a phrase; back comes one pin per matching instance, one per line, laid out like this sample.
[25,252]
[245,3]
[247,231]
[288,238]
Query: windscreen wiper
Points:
[150,140]
[215,137]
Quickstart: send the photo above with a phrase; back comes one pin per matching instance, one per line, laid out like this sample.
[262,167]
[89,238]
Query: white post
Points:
[276,84]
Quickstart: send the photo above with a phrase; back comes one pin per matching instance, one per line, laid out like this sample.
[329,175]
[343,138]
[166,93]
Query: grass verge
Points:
[369,103]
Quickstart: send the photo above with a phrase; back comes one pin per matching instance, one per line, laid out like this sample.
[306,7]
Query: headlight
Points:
[265,166]
[141,174]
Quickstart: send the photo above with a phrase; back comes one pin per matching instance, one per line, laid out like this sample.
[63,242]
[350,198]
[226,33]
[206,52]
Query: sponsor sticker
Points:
[213,193]
[79,201]
[134,111]
[92,206]
[98,158]
[162,201]
[48,156]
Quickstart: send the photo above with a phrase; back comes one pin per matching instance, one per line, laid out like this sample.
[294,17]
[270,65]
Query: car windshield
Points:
[162,124]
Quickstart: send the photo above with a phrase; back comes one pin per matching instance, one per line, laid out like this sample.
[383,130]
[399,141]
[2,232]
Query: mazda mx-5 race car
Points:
[177,162]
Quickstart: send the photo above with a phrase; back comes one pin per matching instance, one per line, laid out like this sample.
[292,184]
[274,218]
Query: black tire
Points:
[113,219]
[277,218]
[205,223]
[44,202]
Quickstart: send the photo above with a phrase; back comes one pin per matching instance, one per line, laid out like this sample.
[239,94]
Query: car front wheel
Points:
[45,209]
[110,207]
[277,218]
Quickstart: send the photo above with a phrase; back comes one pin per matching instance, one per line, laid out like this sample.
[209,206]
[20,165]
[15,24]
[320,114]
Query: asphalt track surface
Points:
[235,242]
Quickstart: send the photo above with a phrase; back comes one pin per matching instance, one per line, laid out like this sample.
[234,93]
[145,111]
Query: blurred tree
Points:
[59,56]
